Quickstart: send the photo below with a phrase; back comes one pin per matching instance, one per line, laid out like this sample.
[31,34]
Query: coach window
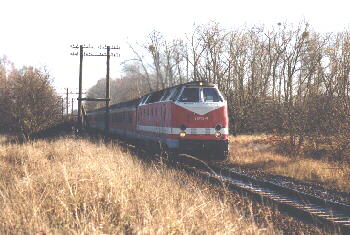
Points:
[130,118]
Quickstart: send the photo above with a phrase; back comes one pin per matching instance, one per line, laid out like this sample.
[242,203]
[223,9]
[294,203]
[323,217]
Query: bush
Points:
[28,103]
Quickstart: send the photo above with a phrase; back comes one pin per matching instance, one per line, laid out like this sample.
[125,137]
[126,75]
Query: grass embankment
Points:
[75,186]
[260,152]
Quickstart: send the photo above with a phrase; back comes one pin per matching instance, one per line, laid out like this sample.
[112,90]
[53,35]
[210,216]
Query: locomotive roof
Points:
[193,83]
[136,101]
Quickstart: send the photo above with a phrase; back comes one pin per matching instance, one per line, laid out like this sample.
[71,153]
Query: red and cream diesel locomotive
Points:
[190,117]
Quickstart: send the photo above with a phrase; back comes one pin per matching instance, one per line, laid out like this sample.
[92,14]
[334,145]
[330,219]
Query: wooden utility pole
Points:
[80,86]
[107,91]
[72,105]
[67,104]
[67,93]
[107,98]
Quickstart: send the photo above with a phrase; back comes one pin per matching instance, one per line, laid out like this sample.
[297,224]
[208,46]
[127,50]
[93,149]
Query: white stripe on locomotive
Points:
[176,131]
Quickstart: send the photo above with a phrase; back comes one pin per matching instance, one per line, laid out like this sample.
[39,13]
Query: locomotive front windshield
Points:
[196,94]
[211,95]
[190,95]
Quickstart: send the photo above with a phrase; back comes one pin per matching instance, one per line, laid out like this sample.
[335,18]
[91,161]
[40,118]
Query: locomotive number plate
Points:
[201,118]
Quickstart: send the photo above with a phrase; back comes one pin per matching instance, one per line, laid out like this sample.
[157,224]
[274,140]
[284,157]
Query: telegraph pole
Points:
[68,91]
[72,105]
[67,101]
[107,91]
[81,50]
[107,98]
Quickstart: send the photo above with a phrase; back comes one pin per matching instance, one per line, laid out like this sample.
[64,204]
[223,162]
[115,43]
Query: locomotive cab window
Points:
[143,100]
[175,93]
[211,95]
[155,97]
[189,95]
[166,95]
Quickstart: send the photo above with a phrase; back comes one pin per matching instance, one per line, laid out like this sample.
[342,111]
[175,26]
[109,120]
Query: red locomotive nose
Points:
[202,121]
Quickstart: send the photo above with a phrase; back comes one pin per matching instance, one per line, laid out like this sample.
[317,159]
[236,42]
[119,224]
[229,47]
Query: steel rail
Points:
[313,209]
[319,211]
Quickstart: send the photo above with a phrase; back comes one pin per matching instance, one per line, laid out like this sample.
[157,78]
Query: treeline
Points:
[28,101]
[288,80]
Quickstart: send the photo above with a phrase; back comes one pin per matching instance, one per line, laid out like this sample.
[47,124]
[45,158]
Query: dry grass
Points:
[3,139]
[256,152]
[75,186]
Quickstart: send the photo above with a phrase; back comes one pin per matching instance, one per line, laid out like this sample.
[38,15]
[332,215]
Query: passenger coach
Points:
[190,117]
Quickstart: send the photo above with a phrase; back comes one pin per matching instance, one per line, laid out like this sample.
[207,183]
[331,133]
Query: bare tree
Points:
[287,79]
[145,73]
[154,47]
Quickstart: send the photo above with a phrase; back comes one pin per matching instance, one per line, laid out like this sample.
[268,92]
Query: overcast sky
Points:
[39,32]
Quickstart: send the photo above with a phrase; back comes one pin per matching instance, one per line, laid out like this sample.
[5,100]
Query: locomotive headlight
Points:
[182,134]
[217,134]
[218,127]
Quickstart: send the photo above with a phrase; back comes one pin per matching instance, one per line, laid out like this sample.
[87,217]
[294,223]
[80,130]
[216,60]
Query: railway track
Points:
[309,208]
